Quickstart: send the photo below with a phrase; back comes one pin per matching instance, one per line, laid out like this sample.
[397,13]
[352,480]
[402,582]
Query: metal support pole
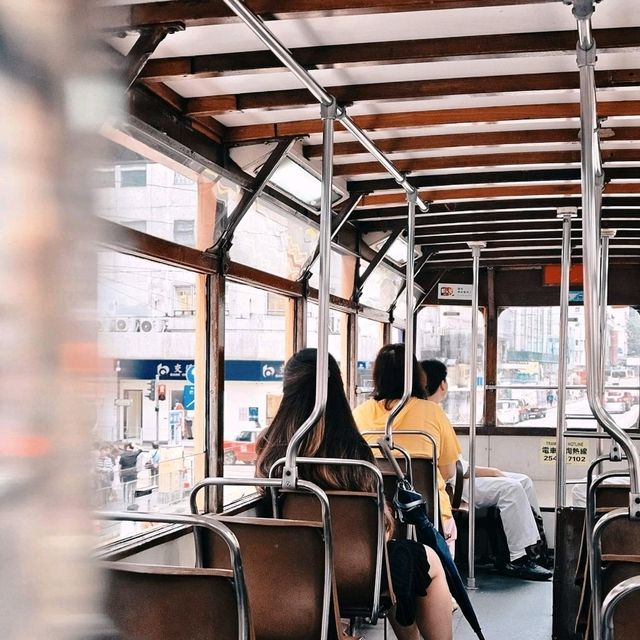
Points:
[476,247]
[591,179]
[606,235]
[322,363]
[409,333]
[566,213]
[319,93]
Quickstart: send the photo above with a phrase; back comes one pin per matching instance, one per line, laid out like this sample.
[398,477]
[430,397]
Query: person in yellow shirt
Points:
[419,414]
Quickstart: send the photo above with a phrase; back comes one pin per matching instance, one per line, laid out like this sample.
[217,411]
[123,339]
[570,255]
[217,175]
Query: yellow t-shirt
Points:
[422,415]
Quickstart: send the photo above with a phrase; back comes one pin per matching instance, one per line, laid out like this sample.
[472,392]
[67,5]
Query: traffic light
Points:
[162,392]
[151,390]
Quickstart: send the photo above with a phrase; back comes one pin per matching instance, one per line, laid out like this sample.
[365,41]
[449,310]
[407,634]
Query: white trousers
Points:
[514,496]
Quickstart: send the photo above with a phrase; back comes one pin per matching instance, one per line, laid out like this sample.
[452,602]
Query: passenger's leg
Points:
[527,485]
[433,611]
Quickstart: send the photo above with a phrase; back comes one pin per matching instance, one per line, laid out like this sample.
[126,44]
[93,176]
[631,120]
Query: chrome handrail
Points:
[380,502]
[613,599]
[326,528]
[239,584]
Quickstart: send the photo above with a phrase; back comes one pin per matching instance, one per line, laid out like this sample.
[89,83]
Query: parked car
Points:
[243,447]
[617,401]
[507,412]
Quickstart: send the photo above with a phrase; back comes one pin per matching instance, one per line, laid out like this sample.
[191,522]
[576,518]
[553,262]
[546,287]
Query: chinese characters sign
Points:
[576,451]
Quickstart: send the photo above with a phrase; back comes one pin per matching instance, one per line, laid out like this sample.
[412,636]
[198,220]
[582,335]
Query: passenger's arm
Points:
[448,471]
[486,472]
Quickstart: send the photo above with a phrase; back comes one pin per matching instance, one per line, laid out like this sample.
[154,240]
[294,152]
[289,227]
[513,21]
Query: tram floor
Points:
[506,607]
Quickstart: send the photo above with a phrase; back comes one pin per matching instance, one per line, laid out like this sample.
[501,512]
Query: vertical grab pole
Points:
[606,235]
[409,346]
[592,180]
[289,475]
[566,213]
[476,247]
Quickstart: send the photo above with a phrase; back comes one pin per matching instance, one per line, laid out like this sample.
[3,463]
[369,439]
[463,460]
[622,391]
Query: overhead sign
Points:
[576,451]
[148,369]
[448,291]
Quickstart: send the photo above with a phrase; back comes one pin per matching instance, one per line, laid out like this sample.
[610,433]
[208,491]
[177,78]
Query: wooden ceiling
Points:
[476,101]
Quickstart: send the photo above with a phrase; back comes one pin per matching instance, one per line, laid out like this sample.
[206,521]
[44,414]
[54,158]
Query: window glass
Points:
[444,333]
[147,393]
[255,353]
[342,270]
[528,346]
[381,287]
[370,340]
[273,241]
[160,197]
[337,334]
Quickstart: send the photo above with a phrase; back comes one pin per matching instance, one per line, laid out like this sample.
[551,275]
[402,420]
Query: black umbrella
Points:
[412,509]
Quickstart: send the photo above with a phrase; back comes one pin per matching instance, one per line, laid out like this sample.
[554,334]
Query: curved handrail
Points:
[592,179]
[239,585]
[326,527]
[409,329]
[595,560]
[613,599]
[380,501]
[434,457]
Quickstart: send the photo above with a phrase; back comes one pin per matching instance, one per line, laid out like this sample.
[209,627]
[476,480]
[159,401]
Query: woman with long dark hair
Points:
[418,414]
[425,608]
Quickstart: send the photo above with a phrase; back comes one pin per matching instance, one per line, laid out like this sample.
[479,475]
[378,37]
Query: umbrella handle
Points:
[386,451]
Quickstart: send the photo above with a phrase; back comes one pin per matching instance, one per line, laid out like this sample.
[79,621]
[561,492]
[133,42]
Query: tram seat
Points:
[608,497]
[283,563]
[147,602]
[625,621]
[354,524]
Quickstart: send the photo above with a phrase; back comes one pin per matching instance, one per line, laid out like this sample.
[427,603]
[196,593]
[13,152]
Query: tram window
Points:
[528,347]
[444,332]
[338,347]
[167,207]
[400,310]
[141,336]
[382,286]
[370,340]
[255,351]
[342,273]
[272,241]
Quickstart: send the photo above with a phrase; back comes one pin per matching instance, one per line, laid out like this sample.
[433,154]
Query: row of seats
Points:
[285,569]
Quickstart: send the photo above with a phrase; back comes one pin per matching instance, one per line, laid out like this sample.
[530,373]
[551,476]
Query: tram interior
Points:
[270,175]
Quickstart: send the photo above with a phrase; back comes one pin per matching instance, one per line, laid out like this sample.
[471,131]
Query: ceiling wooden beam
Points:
[484,138]
[507,191]
[415,119]
[384,53]
[490,177]
[412,90]
[198,13]
[609,203]
[414,165]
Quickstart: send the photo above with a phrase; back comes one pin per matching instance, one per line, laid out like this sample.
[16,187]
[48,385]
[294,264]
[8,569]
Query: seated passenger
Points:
[418,414]
[512,493]
[423,602]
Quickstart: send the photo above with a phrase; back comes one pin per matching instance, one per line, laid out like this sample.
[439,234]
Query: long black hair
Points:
[388,375]
[436,372]
[334,436]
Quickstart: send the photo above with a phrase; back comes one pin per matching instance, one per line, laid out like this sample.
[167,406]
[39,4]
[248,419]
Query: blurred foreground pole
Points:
[50,87]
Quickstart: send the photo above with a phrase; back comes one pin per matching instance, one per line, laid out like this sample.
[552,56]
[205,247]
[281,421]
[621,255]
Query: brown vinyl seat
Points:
[354,524]
[284,566]
[625,622]
[148,602]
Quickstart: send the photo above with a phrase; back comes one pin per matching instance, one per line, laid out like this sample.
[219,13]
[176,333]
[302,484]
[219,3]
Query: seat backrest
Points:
[284,566]
[354,524]
[147,602]
[625,620]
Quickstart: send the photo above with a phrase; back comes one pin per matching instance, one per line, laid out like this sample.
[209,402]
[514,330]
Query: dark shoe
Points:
[525,569]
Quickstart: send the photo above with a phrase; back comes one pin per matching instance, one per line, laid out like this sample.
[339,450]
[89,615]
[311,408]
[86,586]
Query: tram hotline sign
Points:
[576,451]
[450,291]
